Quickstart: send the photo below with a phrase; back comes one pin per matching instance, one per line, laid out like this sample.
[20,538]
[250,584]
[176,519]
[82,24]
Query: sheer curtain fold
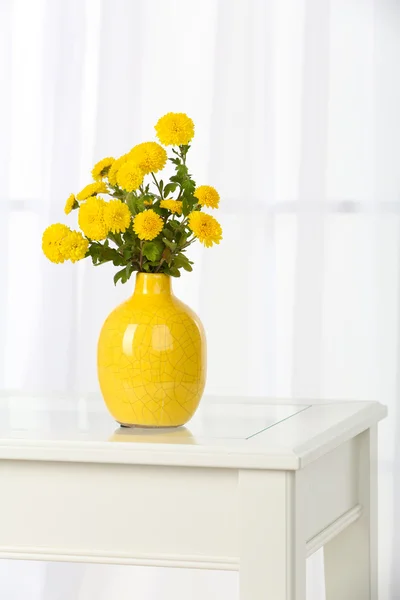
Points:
[296,111]
[63,46]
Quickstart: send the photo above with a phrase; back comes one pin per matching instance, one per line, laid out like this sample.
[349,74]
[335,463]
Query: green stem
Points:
[141,255]
[183,156]
[182,224]
[157,184]
[187,244]
[159,266]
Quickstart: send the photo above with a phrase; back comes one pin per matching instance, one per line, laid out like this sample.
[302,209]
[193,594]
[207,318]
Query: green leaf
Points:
[124,274]
[170,245]
[102,253]
[173,271]
[118,275]
[139,203]
[174,224]
[181,260]
[114,237]
[134,203]
[182,239]
[182,171]
[130,200]
[186,209]
[127,253]
[189,186]
[168,234]
[153,250]
[128,236]
[169,189]
[176,179]
[118,261]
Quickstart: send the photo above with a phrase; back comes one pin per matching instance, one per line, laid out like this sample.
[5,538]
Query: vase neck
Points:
[153,284]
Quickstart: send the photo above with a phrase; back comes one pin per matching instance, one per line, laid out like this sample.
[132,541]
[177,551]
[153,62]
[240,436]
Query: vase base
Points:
[133,426]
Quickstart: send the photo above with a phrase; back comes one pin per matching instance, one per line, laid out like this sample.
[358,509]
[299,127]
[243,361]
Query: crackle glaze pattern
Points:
[152,357]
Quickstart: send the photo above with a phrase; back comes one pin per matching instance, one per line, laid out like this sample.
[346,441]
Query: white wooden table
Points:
[247,485]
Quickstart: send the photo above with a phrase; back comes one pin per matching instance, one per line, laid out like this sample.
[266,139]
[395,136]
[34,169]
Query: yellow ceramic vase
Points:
[152,357]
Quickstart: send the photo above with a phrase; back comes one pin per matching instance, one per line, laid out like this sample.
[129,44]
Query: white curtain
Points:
[296,105]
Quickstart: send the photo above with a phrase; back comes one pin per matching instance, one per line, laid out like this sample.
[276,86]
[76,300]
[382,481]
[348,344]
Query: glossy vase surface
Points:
[152,357]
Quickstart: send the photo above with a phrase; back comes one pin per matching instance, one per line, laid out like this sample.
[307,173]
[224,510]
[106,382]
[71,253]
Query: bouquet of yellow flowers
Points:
[143,226]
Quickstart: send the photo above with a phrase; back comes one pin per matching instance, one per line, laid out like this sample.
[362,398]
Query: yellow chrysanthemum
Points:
[74,246]
[147,225]
[149,156]
[205,228]
[101,168]
[207,196]
[92,189]
[91,219]
[52,239]
[130,176]
[70,204]
[175,129]
[117,216]
[175,206]
[148,202]
[112,173]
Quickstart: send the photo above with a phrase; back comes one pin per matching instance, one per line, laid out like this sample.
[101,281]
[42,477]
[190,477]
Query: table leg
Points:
[272,547]
[351,557]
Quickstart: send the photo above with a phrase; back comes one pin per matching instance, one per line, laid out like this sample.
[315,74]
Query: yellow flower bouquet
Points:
[132,218]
